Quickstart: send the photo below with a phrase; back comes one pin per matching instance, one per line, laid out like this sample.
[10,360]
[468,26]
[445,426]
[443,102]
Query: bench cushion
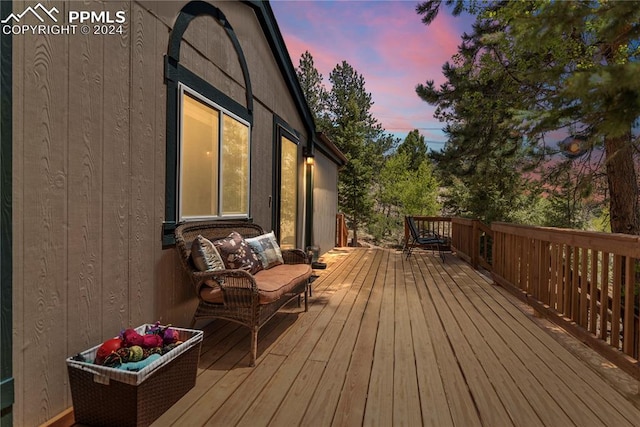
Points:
[272,284]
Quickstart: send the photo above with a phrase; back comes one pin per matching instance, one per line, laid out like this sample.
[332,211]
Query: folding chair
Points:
[426,238]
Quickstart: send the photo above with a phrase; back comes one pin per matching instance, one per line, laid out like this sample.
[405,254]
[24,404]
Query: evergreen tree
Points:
[360,137]
[403,189]
[575,65]
[590,84]
[481,165]
[415,147]
[349,108]
[344,115]
[314,91]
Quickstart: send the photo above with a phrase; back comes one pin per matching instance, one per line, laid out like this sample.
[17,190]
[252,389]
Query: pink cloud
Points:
[385,42]
[323,58]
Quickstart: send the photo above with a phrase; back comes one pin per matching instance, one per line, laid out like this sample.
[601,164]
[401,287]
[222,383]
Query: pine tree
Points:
[481,165]
[575,65]
[590,84]
[415,147]
[314,91]
[359,136]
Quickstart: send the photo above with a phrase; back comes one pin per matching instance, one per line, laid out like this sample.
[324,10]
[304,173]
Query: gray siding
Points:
[89,181]
[325,202]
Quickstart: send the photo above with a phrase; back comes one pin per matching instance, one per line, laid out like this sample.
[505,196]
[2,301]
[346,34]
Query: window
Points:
[288,193]
[286,166]
[214,160]
[208,136]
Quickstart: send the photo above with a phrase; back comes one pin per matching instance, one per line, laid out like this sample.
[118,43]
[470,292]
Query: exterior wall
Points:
[89,181]
[271,95]
[325,202]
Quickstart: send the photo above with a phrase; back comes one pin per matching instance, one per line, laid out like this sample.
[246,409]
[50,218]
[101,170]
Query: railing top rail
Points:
[485,228]
[469,222]
[463,221]
[615,243]
[431,218]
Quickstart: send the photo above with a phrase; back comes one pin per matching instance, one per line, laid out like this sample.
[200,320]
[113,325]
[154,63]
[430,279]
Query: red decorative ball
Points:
[131,338]
[152,340]
[109,346]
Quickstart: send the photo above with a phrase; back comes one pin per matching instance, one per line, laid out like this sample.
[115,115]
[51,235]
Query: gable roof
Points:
[269,25]
[329,149]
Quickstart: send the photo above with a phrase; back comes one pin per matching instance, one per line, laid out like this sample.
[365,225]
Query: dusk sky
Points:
[386,42]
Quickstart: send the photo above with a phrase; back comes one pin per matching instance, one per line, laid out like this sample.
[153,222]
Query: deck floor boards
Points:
[395,341]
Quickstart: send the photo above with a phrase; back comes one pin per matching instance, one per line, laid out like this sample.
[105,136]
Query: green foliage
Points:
[586,57]
[360,137]
[573,199]
[483,162]
[601,222]
[382,225]
[344,115]
[314,91]
[533,210]
[354,180]
[415,147]
[404,186]
[528,69]
[353,128]
[410,192]
[421,192]
[585,81]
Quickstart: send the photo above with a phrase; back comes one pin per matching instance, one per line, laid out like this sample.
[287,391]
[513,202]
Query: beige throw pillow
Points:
[205,256]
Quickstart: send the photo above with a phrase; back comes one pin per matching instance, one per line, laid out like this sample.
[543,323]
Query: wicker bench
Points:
[241,299]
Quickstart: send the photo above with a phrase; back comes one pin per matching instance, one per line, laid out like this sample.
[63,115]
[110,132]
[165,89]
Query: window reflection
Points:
[235,167]
[214,161]
[288,193]
[199,159]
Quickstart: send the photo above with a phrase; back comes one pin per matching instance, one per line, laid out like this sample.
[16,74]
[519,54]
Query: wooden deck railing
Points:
[587,282]
[472,241]
[342,233]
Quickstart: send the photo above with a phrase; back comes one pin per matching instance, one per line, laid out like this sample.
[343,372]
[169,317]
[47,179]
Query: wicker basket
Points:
[104,396]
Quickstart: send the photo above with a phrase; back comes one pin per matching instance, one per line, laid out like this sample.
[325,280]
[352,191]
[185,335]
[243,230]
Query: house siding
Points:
[325,202]
[89,181]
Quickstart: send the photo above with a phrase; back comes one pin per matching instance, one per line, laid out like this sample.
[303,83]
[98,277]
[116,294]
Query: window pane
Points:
[288,193]
[199,166]
[235,167]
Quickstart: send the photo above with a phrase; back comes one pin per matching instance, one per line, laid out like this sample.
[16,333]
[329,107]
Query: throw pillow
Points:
[267,249]
[205,255]
[237,254]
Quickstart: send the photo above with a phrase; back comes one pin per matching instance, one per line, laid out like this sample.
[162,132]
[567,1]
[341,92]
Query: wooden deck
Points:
[393,342]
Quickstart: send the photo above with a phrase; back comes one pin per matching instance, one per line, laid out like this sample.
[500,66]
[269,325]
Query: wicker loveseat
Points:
[235,294]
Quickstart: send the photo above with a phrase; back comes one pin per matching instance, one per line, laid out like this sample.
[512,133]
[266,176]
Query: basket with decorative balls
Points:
[132,351]
[131,379]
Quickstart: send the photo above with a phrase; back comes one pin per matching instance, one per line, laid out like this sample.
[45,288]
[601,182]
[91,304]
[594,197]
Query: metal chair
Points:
[426,238]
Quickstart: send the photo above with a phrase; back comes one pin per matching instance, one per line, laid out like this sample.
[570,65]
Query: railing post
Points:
[454,234]
[475,245]
[341,236]
[406,233]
